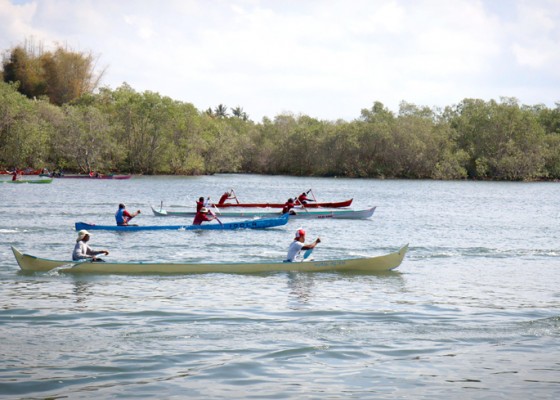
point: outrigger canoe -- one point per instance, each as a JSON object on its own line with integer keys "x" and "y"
{"x": 92, "y": 176}
{"x": 30, "y": 181}
{"x": 333, "y": 204}
{"x": 377, "y": 264}
{"x": 300, "y": 213}
{"x": 261, "y": 223}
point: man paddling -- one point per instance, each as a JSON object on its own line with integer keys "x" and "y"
{"x": 298, "y": 245}
{"x": 202, "y": 216}
{"x": 82, "y": 251}
{"x": 303, "y": 199}
{"x": 288, "y": 206}
{"x": 123, "y": 217}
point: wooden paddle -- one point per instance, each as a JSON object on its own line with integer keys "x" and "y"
{"x": 214, "y": 214}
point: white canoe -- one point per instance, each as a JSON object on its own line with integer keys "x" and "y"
{"x": 299, "y": 213}
{"x": 381, "y": 263}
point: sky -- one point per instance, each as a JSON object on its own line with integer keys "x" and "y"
{"x": 327, "y": 59}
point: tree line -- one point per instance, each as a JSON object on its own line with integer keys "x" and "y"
{"x": 122, "y": 130}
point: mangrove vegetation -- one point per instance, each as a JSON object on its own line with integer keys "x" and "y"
{"x": 53, "y": 115}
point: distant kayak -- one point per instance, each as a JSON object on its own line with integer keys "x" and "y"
{"x": 261, "y": 223}
{"x": 83, "y": 176}
{"x": 29, "y": 181}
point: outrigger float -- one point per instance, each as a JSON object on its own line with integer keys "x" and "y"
{"x": 376, "y": 264}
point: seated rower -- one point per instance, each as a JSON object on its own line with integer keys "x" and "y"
{"x": 82, "y": 251}
{"x": 123, "y": 217}
{"x": 201, "y": 203}
{"x": 298, "y": 245}
{"x": 288, "y": 206}
{"x": 303, "y": 199}
{"x": 202, "y": 216}
{"x": 225, "y": 197}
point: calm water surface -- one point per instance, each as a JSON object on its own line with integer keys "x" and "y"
{"x": 472, "y": 313}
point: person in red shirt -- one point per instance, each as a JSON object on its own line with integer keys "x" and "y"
{"x": 201, "y": 203}
{"x": 226, "y": 196}
{"x": 123, "y": 216}
{"x": 202, "y": 216}
{"x": 14, "y": 175}
{"x": 288, "y": 206}
{"x": 302, "y": 198}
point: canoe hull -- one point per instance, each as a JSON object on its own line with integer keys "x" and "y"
{"x": 334, "y": 204}
{"x": 93, "y": 177}
{"x": 262, "y": 223}
{"x": 300, "y": 214}
{"x": 30, "y": 181}
{"x": 377, "y": 264}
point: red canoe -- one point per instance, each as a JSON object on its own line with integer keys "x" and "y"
{"x": 335, "y": 204}
{"x": 94, "y": 177}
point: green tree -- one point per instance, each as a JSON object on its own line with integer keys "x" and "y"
{"x": 23, "y": 139}
{"x": 25, "y": 67}
{"x": 63, "y": 75}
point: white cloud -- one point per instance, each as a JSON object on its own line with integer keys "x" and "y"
{"x": 324, "y": 58}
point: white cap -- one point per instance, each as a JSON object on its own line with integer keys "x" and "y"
{"x": 82, "y": 234}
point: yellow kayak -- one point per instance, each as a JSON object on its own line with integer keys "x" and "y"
{"x": 381, "y": 263}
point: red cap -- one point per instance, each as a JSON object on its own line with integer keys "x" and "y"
{"x": 300, "y": 233}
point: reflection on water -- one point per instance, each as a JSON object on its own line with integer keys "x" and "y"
{"x": 300, "y": 285}
{"x": 82, "y": 290}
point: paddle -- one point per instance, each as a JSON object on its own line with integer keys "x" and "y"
{"x": 301, "y": 204}
{"x": 234, "y": 195}
{"x": 307, "y": 254}
{"x": 214, "y": 214}
{"x": 313, "y": 194}
{"x": 232, "y": 192}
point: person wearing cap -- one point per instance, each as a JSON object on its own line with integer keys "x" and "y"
{"x": 82, "y": 251}
{"x": 202, "y": 216}
{"x": 122, "y": 216}
{"x": 298, "y": 245}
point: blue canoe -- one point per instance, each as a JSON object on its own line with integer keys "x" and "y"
{"x": 261, "y": 223}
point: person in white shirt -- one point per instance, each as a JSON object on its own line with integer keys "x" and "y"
{"x": 298, "y": 245}
{"x": 82, "y": 251}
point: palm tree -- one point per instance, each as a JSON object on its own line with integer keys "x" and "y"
{"x": 239, "y": 113}
{"x": 221, "y": 111}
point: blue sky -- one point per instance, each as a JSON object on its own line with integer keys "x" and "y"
{"x": 324, "y": 58}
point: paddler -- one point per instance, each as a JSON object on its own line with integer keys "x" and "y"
{"x": 201, "y": 203}
{"x": 288, "y": 206}
{"x": 123, "y": 217}
{"x": 225, "y": 197}
{"x": 298, "y": 245}
{"x": 303, "y": 199}
{"x": 82, "y": 251}
{"x": 202, "y": 216}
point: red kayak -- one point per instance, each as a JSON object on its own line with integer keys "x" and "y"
{"x": 94, "y": 176}
{"x": 335, "y": 204}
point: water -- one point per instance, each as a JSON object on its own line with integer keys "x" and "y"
{"x": 473, "y": 311}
